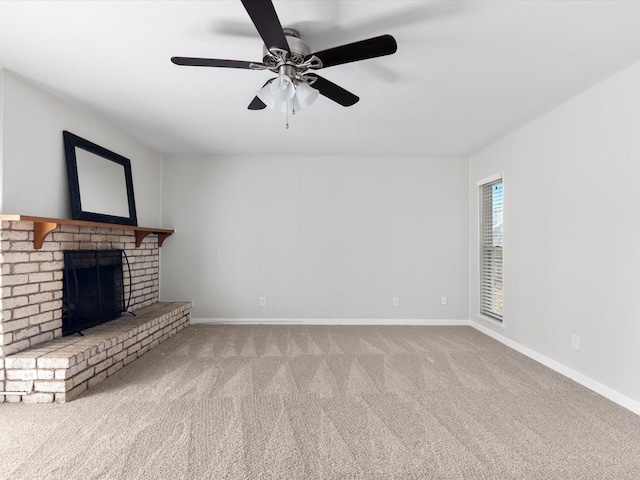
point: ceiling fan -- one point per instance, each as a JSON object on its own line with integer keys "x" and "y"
{"x": 291, "y": 58}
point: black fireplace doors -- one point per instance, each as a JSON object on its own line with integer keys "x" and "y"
{"x": 93, "y": 291}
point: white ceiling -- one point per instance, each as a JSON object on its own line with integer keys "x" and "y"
{"x": 465, "y": 73}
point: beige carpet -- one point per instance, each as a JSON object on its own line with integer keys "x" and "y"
{"x": 301, "y": 402}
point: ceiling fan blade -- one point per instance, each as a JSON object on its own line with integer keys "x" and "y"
{"x": 334, "y": 92}
{"x": 353, "y": 52}
{"x": 264, "y": 17}
{"x": 256, "y": 104}
{"x": 213, "y": 62}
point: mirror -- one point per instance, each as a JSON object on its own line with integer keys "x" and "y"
{"x": 100, "y": 183}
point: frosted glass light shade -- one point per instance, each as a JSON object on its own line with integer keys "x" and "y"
{"x": 283, "y": 88}
{"x": 267, "y": 97}
{"x": 305, "y": 95}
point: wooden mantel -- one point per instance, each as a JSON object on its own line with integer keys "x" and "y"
{"x": 43, "y": 226}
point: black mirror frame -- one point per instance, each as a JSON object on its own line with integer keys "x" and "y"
{"x": 71, "y": 142}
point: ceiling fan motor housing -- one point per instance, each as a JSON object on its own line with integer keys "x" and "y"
{"x": 299, "y": 49}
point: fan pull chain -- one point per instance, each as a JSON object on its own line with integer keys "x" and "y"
{"x": 288, "y": 115}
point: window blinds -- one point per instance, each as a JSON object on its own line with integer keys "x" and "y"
{"x": 491, "y": 243}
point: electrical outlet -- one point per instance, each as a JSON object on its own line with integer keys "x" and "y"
{"x": 575, "y": 342}
{"x": 443, "y": 300}
{"x": 263, "y": 301}
{"x": 395, "y": 301}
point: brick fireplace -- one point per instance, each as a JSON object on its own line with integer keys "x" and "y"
{"x": 31, "y": 291}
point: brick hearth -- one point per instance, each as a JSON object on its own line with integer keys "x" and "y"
{"x": 61, "y": 369}
{"x": 31, "y": 312}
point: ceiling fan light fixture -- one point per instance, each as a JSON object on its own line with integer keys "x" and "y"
{"x": 282, "y": 92}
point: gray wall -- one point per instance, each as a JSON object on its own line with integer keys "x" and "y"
{"x": 34, "y": 172}
{"x": 572, "y": 235}
{"x": 319, "y": 237}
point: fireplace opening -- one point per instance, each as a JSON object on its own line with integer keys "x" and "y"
{"x": 93, "y": 291}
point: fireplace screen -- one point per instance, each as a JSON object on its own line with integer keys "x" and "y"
{"x": 93, "y": 289}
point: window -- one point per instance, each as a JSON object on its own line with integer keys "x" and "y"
{"x": 491, "y": 243}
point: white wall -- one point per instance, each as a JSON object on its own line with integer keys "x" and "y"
{"x": 572, "y": 233}
{"x": 320, "y": 237}
{"x": 34, "y": 175}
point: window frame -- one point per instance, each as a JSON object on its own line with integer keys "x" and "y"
{"x": 487, "y": 304}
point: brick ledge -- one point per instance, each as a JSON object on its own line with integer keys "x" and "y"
{"x": 63, "y": 368}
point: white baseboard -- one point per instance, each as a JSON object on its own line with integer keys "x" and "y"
{"x": 591, "y": 384}
{"x": 332, "y": 321}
